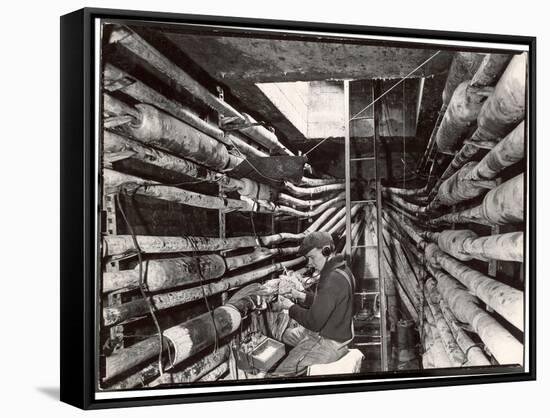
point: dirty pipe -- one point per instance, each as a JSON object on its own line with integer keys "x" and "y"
{"x": 117, "y": 147}
{"x": 339, "y": 220}
{"x": 507, "y": 152}
{"x": 150, "y": 374}
{"x": 506, "y": 106}
{"x": 467, "y": 101}
{"x": 465, "y": 154}
{"x": 259, "y": 254}
{"x": 498, "y": 116}
{"x": 490, "y": 69}
{"x": 166, "y": 273}
{"x": 474, "y": 354}
{"x": 321, "y": 219}
{"x": 137, "y": 45}
{"x": 310, "y": 182}
{"x": 466, "y": 245}
{"x": 291, "y": 200}
{"x": 501, "y": 343}
{"x": 504, "y": 299}
{"x": 460, "y": 117}
{"x": 463, "y": 67}
{"x": 459, "y": 188}
{"x": 502, "y": 205}
{"x": 185, "y": 339}
{"x": 134, "y": 43}
{"x": 161, "y": 130}
{"x": 310, "y": 191}
{"x": 117, "y": 79}
{"x": 139, "y": 307}
{"x": 264, "y": 136}
{"x": 113, "y": 181}
{"x": 435, "y": 316}
{"x": 123, "y": 244}
{"x": 272, "y": 207}
{"x": 472, "y": 179}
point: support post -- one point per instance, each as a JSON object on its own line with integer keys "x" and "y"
{"x": 381, "y": 276}
{"x": 221, "y": 220}
{"x": 347, "y": 157}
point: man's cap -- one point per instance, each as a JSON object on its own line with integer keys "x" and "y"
{"x": 317, "y": 239}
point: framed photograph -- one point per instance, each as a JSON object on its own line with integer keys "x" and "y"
{"x": 259, "y": 208}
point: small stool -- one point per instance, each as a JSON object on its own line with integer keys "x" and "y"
{"x": 350, "y": 363}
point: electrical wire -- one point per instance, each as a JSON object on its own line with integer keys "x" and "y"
{"x": 138, "y": 252}
{"x": 252, "y": 216}
{"x": 430, "y": 174}
{"x": 478, "y": 345}
{"x": 318, "y": 144}
{"x": 404, "y": 146}
{"x": 142, "y": 288}
{"x": 423, "y": 300}
{"x": 196, "y": 257}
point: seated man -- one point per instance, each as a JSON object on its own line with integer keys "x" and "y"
{"x": 326, "y": 316}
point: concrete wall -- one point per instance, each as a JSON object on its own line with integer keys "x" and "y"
{"x": 291, "y": 99}
{"x": 326, "y": 109}
{"x": 316, "y": 108}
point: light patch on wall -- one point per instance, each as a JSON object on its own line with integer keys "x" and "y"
{"x": 314, "y": 108}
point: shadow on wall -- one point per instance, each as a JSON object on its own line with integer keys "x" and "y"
{"x": 50, "y": 392}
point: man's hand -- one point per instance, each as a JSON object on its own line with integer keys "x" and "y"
{"x": 285, "y": 303}
{"x": 296, "y": 295}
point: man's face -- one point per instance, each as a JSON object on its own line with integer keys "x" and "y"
{"x": 316, "y": 259}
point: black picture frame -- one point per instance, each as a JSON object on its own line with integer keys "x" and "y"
{"x": 78, "y": 214}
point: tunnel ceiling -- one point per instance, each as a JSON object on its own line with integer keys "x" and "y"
{"x": 275, "y": 60}
{"x": 241, "y": 63}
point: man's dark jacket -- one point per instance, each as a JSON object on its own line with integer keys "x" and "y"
{"x": 330, "y": 310}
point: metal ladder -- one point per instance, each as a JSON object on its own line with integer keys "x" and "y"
{"x": 382, "y": 337}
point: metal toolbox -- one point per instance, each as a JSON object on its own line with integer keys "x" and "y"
{"x": 261, "y": 357}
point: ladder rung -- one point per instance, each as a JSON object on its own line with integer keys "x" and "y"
{"x": 366, "y": 246}
{"x": 367, "y": 293}
{"x": 362, "y": 158}
{"x": 364, "y": 201}
{"x": 371, "y": 343}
